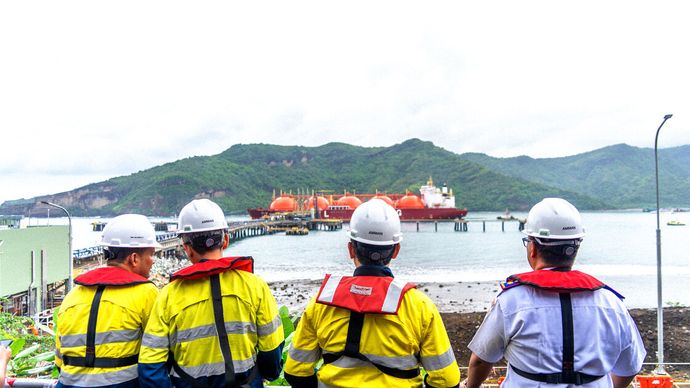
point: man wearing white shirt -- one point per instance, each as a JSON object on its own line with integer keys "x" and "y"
{"x": 556, "y": 327}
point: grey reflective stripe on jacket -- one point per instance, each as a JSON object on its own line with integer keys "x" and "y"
{"x": 108, "y": 337}
{"x": 441, "y": 361}
{"x": 217, "y": 368}
{"x": 397, "y": 362}
{"x": 206, "y": 331}
{"x": 269, "y": 328}
{"x": 155, "y": 342}
{"x": 209, "y": 330}
{"x": 99, "y": 379}
{"x": 305, "y": 356}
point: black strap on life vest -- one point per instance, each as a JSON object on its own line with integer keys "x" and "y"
{"x": 91, "y": 361}
{"x": 101, "y": 362}
{"x": 217, "y": 299}
{"x": 567, "y": 374}
{"x": 354, "y": 335}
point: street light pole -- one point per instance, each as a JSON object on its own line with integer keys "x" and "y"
{"x": 660, "y": 311}
{"x": 70, "y": 282}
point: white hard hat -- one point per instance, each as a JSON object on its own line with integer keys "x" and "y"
{"x": 375, "y": 222}
{"x": 129, "y": 231}
{"x": 554, "y": 218}
{"x": 201, "y": 215}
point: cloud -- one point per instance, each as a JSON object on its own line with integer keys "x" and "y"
{"x": 91, "y": 90}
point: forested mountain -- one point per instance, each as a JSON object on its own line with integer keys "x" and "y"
{"x": 246, "y": 175}
{"x": 619, "y": 175}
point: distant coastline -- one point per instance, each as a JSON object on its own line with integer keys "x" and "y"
{"x": 245, "y": 176}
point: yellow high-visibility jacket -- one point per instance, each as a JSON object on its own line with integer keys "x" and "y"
{"x": 413, "y": 337}
{"x": 182, "y": 322}
{"x": 123, "y": 300}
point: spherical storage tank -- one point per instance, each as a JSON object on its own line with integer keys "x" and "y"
{"x": 349, "y": 200}
{"x": 409, "y": 201}
{"x": 385, "y": 199}
{"x": 322, "y": 202}
{"x": 284, "y": 203}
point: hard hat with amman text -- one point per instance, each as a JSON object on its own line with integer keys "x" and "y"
{"x": 129, "y": 231}
{"x": 554, "y": 218}
{"x": 201, "y": 215}
{"x": 375, "y": 222}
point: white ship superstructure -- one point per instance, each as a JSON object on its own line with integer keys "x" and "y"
{"x": 434, "y": 197}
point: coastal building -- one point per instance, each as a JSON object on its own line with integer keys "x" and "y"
{"x": 34, "y": 264}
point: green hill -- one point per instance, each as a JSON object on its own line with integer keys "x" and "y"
{"x": 245, "y": 176}
{"x": 620, "y": 175}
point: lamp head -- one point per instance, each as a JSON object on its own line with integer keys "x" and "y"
{"x": 668, "y": 116}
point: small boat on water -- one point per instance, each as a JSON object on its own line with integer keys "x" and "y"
{"x": 506, "y": 216}
{"x": 675, "y": 223}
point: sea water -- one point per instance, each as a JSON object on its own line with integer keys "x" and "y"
{"x": 619, "y": 248}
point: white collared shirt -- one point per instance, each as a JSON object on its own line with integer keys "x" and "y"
{"x": 524, "y": 326}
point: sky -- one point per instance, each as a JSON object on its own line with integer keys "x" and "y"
{"x": 91, "y": 90}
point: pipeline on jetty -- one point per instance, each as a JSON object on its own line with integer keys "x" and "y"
{"x": 461, "y": 225}
{"x": 172, "y": 246}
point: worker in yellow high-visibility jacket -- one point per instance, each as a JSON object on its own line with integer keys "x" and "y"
{"x": 216, "y": 324}
{"x": 370, "y": 329}
{"x": 101, "y": 321}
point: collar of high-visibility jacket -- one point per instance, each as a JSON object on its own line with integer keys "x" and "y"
{"x": 110, "y": 276}
{"x": 373, "y": 270}
{"x": 206, "y": 268}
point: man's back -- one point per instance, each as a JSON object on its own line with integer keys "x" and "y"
{"x": 526, "y": 322}
{"x": 183, "y": 322}
{"x": 391, "y": 340}
{"x": 122, "y": 315}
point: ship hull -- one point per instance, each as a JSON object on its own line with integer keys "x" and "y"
{"x": 405, "y": 214}
{"x": 259, "y": 212}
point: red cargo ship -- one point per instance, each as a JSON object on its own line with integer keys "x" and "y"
{"x": 432, "y": 204}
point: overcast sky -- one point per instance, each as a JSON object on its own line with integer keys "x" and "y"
{"x": 90, "y": 90}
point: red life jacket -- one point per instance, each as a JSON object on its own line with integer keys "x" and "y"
{"x": 557, "y": 281}
{"x": 208, "y": 268}
{"x": 363, "y": 294}
{"x": 110, "y": 276}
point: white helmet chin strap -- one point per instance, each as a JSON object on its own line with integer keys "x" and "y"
{"x": 569, "y": 246}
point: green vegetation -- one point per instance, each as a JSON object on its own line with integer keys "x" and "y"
{"x": 621, "y": 176}
{"x": 245, "y": 176}
{"x": 289, "y": 330}
{"x": 32, "y": 355}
